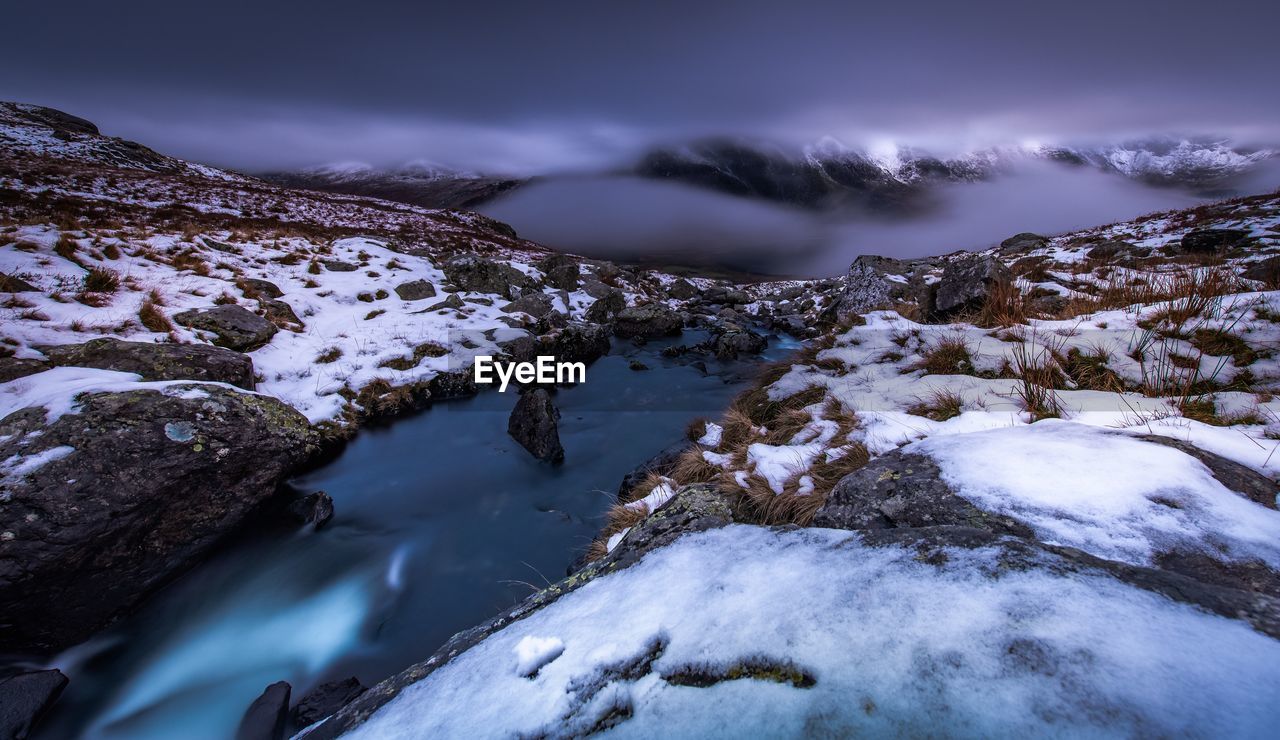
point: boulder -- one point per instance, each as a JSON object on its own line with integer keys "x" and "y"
{"x": 534, "y": 423}
{"x": 326, "y": 699}
{"x": 1109, "y": 250}
{"x": 14, "y": 284}
{"x": 534, "y": 304}
{"x": 124, "y": 493}
{"x": 235, "y": 327}
{"x": 454, "y": 301}
{"x": 415, "y": 290}
{"x": 1024, "y": 242}
{"x": 607, "y": 306}
{"x": 1213, "y": 241}
{"x": 12, "y": 368}
{"x": 682, "y": 290}
{"x": 734, "y": 342}
{"x": 871, "y": 283}
{"x": 662, "y": 464}
{"x": 1266, "y": 271}
{"x": 564, "y": 277}
{"x": 315, "y": 508}
{"x": 649, "y": 320}
{"x": 339, "y": 266}
{"x": 474, "y": 273}
{"x": 596, "y": 289}
{"x": 266, "y": 716}
{"x": 259, "y": 288}
{"x": 25, "y": 697}
{"x": 965, "y": 284}
{"x": 157, "y": 361}
{"x": 550, "y": 321}
{"x": 281, "y": 314}
{"x": 577, "y": 342}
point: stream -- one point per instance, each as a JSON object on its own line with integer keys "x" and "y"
{"x": 441, "y": 521}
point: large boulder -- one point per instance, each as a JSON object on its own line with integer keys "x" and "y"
{"x": 235, "y": 327}
{"x": 281, "y": 314}
{"x": 577, "y": 342}
{"x": 1267, "y": 271}
{"x": 733, "y": 342}
{"x": 647, "y": 321}
{"x": 15, "y": 284}
{"x": 266, "y": 717}
{"x": 111, "y": 500}
{"x": 965, "y": 284}
{"x": 1024, "y": 242}
{"x": 564, "y": 276}
{"x": 157, "y": 361}
{"x": 606, "y": 307}
{"x": 536, "y": 305}
{"x": 474, "y": 273}
{"x": 326, "y": 699}
{"x": 25, "y": 697}
{"x": 535, "y": 424}
{"x": 12, "y": 368}
{"x": 1212, "y": 241}
{"x": 682, "y": 290}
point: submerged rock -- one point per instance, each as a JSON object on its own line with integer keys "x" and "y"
{"x": 735, "y": 342}
{"x": 315, "y": 508}
{"x": 235, "y": 327}
{"x": 157, "y": 361}
{"x": 534, "y": 423}
{"x": 25, "y": 698}
{"x": 112, "y": 500}
{"x": 326, "y": 699}
{"x": 266, "y": 716}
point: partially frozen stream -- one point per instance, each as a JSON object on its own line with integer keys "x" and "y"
{"x": 442, "y": 520}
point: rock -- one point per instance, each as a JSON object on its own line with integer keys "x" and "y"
{"x": 474, "y": 273}
{"x": 452, "y": 384}
{"x": 534, "y": 423}
{"x": 595, "y": 288}
{"x": 235, "y": 327}
{"x": 218, "y": 246}
{"x": 12, "y": 368}
{"x": 521, "y": 349}
{"x": 265, "y": 718}
{"x": 1212, "y": 241}
{"x": 259, "y": 288}
{"x": 606, "y": 307}
{"x": 965, "y": 284}
{"x": 415, "y": 290}
{"x": 649, "y": 320}
{"x": 564, "y": 277}
{"x": 682, "y": 290}
{"x": 281, "y": 314}
{"x": 550, "y": 321}
{"x": 140, "y": 486}
{"x": 871, "y": 283}
{"x": 1024, "y": 242}
{"x": 577, "y": 342}
{"x": 1267, "y": 271}
{"x": 339, "y": 266}
{"x": 326, "y": 699}
{"x": 1109, "y": 250}
{"x": 637, "y": 365}
{"x": 735, "y": 297}
{"x": 453, "y": 301}
{"x": 730, "y": 344}
{"x": 157, "y": 361}
{"x": 315, "y": 508}
{"x": 13, "y": 284}
{"x": 534, "y": 304}
{"x": 555, "y": 262}
{"x": 25, "y": 698}
{"x": 662, "y": 464}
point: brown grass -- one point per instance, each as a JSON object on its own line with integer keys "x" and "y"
{"x": 153, "y": 318}
{"x": 941, "y": 404}
{"x": 1005, "y": 306}
{"x": 948, "y": 355}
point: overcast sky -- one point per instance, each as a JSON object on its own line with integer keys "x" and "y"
{"x": 530, "y": 86}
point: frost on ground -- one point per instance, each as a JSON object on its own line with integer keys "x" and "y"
{"x": 812, "y": 633}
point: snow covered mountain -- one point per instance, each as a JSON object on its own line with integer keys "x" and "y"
{"x": 416, "y": 183}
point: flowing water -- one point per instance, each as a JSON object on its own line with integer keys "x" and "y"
{"x": 442, "y": 520}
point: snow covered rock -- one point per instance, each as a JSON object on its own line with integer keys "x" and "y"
{"x": 104, "y": 496}
{"x": 25, "y": 697}
{"x": 647, "y": 321}
{"x": 577, "y": 341}
{"x": 610, "y": 302}
{"x": 534, "y": 423}
{"x": 536, "y": 305}
{"x": 157, "y": 361}
{"x": 947, "y": 631}
{"x": 234, "y": 327}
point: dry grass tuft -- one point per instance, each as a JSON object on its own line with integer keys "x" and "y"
{"x": 941, "y": 404}
{"x": 948, "y": 355}
{"x": 152, "y": 318}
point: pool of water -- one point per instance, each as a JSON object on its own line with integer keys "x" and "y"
{"x": 441, "y": 521}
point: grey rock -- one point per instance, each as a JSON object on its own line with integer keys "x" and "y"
{"x": 1212, "y": 241}
{"x": 682, "y": 290}
{"x": 149, "y": 483}
{"x": 606, "y": 306}
{"x": 577, "y": 342}
{"x": 12, "y": 368}
{"x": 415, "y": 290}
{"x": 475, "y": 273}
{"x": 25, "y": 698}
{"x": 1111, "y": 249}
{"x": 339, "y": 266}
{"x": 281, "y": 314}
{"x": 965, "y": 284}
{"x": 649, "y": 320}
{"x": 1023, "y": 242}
{"x": 550, "y": 321}
{"x": 263, "y": 288}
{"x": 534, "y": 423}
{"x": 564, "y": 277}
{"x": 315, "y": 508}
{"x": 521, "y": 349}
{"x": 266, "y": 716}
{"x": 326, "y": 699}
{"x": 597, "y": 289}
{"x": 14, "y": 284}
{"x": 868, "y": 286}
{"x": 661, "y": 464}
{"x": 157, "y": 361}
{"x": 735, "y": 342}
{"x": 534, "y": 304}
{"x": 453, "y": 301}
{"x": 235, "y": 327}
{"x": 1267, "y": 271}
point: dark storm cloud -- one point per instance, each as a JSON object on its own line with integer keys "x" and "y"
{"x": 527, "y": 85}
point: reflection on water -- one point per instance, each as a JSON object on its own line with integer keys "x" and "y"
{"x": 441, "y": 521}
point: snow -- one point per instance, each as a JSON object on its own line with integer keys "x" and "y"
{"x": 657, "y": 496}
{"x": 532, "y": 653}
{"x": 1104, "y": 492}
{"x": 894, "y": 646}
{"x": 712, "y": 436}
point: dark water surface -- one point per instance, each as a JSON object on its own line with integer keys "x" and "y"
{"x": 442, "y": 520}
